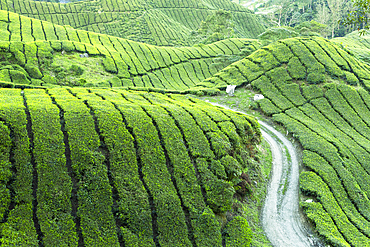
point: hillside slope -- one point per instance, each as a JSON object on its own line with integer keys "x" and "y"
{"x": 38, "y": 53}
{"x": 116, "y": 168}
{"x": 157, "y": 22}
{"x": 292, "y": 62}
{"x": 358, "y": 45}
{"x": 320, "y": 94}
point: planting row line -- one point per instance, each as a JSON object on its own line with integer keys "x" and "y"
{"x": 18, "y": 227}
{"x": 301, "y": 59}
{"x": 335, "y": 206}
{"x": 210, "y": 172}
{"x": 88, "y": 158}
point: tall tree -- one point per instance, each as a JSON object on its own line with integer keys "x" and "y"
{"x": 336, "y": 13}
{"x": 359, "y": 16}
{"x": 323, "y": 16}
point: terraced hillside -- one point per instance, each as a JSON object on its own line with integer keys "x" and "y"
{"x": 330, "y": 118}
{"x": 358, "y": 45}
{"x": 39, "y": 53}
{"x": 95, "y": 167}
{"x": 310, "y": 60}
{"x": 157, "y": 22}
{"x": 114, "y": 167}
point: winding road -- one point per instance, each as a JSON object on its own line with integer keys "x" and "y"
{"x": 281, "y": 219}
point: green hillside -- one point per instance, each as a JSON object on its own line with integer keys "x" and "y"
{"x": 320, "y": 94}
{"x": 290, "y": 63}
{"x": 112, "y": 167}
{"x": 157, "y": 22}
{"x": 95, "y": 167}
{"x": 98, "y": 147}
{"x": 38, "y": 53}
{"x": 356, "y": 45}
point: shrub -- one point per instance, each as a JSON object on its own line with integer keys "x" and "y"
{"x": 33, "y": 71}
{"x": 18, "y": 77}
{"x": 208, "y": 229}
{"x": 238, "y": 233}
{"x": 315, "y": 78}
{"x": 296, "y": 69}
{"x": 4, "y": 75}
{"x": 76, "y": 70}
{"x": 49, "y": 79}
{"x": 351, "y": 78}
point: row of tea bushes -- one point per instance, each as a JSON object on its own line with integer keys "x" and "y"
{"x": 92, "y": 167}
{"x": 148, "y": 21}
{"x": 28, "y": 42}
{"x": 336, "y": 153}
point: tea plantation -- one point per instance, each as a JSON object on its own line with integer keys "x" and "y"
{"x": 95, "y": 167}
{"x": 157, "y": 22}
{"x": 40, "y": 47}
{"x": 100, "y": 146}
{"x": 319, "y": 93}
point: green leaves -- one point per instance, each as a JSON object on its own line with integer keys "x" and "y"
{"x": 238, "y": 233}
{"x": 140, "y": 167}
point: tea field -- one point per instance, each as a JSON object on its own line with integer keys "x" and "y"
{"x": 157, "y": 22}
{"x": 103, "y": 142}
{"x": 319, "y": 93}
{"x": 41, "y": 48}
{"x": 93, "y": 167}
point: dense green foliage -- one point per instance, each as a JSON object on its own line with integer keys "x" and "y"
{"x": 311, "y": 60}
{"x": 45, "y": 59}
{"x": 86, "y": 166}
{"x": 329, "y": 118}
{"x": 359, "y": 16}
{"x": 356, "y": 45}
{"x": 157, "y": 22}
{"x": 333, "y": 128}
{"x": 331, "y": 14}
{"x": 149, "y": 180}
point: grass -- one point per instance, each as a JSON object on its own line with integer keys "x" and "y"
{"x": 242, "y": 100}
{"x": 72, "y": 70}
{"x": 252, "y": 207}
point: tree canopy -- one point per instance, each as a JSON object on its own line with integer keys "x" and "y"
{"x": 359, "y": 16}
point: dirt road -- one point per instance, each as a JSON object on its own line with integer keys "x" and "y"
{"x": 280, "y": 217}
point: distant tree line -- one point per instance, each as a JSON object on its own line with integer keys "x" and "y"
{"x": 331, "y": 13}
{"x": 359, "y": 16}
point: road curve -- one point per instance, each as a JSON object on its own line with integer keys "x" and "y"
{"x": 280, "y": 216}
{"x": 281, "y": 219}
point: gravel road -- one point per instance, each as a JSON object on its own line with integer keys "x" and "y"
{"x": 281, "y": 219}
